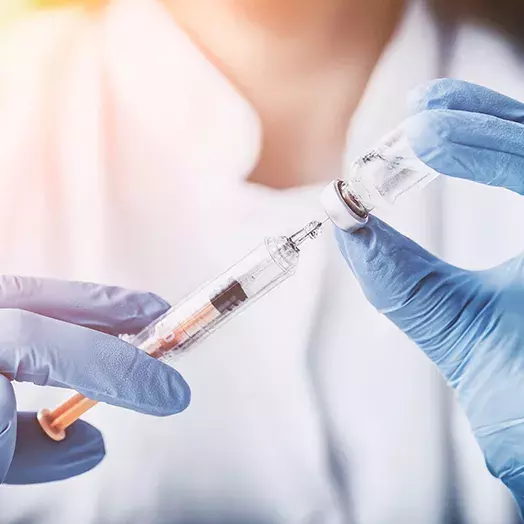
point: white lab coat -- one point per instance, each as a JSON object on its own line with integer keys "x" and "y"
{"x": 123, "y": 158}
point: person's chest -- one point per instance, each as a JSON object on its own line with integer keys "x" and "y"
{"x": 302, "y": 69}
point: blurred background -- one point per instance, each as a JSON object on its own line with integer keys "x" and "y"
{"x": 151, "y": 143}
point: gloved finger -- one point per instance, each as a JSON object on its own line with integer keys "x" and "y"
{"x": 420, "y": 293}
{"x": 39, "y": 459}
{"x": 458, "y": 95}
{"x": 105, "y": 308}
{"x": 45, "y": 351}
{"x": 7, "y": 426}
{"x": 470, "y": 146}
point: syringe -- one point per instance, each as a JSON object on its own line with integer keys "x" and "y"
{"x": 197, "y": 316}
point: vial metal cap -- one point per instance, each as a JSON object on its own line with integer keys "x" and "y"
{"x": 342, "y": 207}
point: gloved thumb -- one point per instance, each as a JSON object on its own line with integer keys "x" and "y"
{"x": 420, "y": 293}
{"x": 28, "y": 456}
{"x": 7, "y": 426}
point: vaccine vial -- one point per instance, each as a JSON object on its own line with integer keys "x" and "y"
{"x": 377, "y": 179}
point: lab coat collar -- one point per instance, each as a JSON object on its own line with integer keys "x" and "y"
{"x": 212, "y": 128}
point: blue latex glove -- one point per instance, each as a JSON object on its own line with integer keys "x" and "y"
{"x": 60, "y": 334}
{"x": 470, "y": 323}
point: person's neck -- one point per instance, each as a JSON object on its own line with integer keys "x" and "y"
{"x": 303, "y": 64}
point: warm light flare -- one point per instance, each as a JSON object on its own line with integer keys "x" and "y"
{"x": 69, "y": 3}
{"x": 12, "y": 9}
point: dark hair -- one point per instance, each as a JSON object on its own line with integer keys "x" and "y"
{"x": 507, "y": 16}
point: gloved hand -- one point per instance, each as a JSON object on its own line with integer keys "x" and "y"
{"x": 56, "y": 333}
{"x": 470, "y": 323}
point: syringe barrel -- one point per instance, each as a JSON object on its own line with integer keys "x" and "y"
{"x": 201, "y": 313}
{"x": 195, "y": 317}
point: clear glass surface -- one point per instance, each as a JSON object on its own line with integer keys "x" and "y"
{"x": 388, "y": 172}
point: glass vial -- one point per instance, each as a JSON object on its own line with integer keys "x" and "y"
{"x": 379, "y": 178}
{"x": 388, "y": 172}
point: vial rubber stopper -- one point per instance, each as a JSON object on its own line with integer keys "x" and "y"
{"x": 342, "y": 207}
